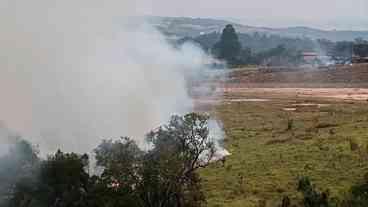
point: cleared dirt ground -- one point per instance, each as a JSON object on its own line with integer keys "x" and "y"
{"x": 344, "y": 83}
{"x": 355, "y": 76}
{"x": 344, "y": 94}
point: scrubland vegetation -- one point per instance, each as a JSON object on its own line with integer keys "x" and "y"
{"x": 273, "y": 149}
{"x": 315, "y": 155}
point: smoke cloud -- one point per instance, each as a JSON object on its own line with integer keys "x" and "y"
{"x": 74, "y": 72}
{"x": 7, "y": 139}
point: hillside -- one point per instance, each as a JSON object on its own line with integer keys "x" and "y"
{"x": 180, "y": 27}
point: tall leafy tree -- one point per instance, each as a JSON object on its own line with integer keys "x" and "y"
{"x": 164, "y": 176}
{"x": 229, "y": 46}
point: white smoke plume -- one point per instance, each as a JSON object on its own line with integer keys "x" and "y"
{"x": 72, "y": 73}
{"x": 7, "y": 139}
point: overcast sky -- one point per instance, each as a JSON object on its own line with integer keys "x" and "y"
{"x": 342, "y": 14}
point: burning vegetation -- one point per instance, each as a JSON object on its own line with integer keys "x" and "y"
{"x": 294, "y": 110}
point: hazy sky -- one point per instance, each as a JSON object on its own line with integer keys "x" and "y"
{"x": 343, "y": 14}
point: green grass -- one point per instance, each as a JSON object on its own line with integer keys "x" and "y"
{"x": 267, "y": 157}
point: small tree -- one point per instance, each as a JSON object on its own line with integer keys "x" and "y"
{"x": 312, "y": 197}
{"x": 358, "y": 195}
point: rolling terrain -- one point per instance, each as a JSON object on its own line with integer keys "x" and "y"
{"x": 179, "y": 27}
{"x": 277, "y": 134}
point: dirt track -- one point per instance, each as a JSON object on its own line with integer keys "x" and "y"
{"x": 354, "y": 94}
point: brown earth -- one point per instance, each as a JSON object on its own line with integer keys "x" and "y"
{"x": 355, "y": 76}
{"x": 348, "y": 83}
{"x": 338, "y": 83}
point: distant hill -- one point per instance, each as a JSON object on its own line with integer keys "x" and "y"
{"x": 179, "y": 27}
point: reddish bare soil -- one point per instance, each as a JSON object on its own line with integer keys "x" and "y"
{"x": 354, "y": 94}
{"x": 355, "y": 76}
{"x": 340, "y": 83}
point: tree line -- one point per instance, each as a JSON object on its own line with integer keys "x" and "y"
{"x": 166, "y": 175}
{"x": 273, "y": 50}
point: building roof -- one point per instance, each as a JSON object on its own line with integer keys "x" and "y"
{"x": 310, "y": 54}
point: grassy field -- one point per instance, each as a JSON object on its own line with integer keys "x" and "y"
{"x": 271, "y": 148}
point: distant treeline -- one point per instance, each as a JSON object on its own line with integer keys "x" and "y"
{"x": 257, "y": 42}
{"x": 275, "y": 50}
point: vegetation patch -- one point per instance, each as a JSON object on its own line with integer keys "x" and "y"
{"x": 270, "y": 153}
